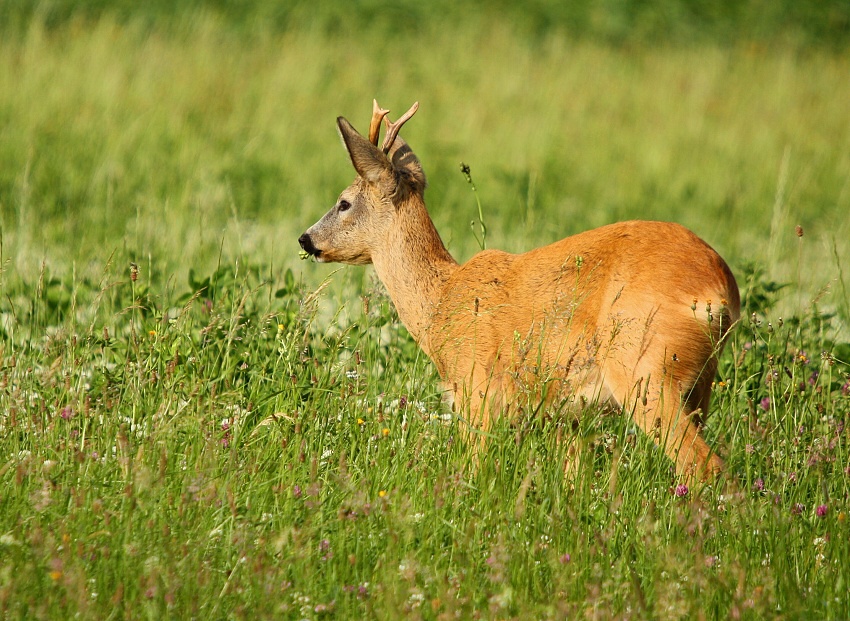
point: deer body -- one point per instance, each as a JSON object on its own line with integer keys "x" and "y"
{"x": 632, "y": 314}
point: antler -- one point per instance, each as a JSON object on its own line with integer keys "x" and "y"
{"x": 378, "y": 114}
{"x": 393, "y": 128}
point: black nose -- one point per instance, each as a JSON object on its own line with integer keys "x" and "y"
{"x": 307, "y": 244}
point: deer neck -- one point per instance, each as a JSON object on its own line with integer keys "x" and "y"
{"x": 413, "y": 266}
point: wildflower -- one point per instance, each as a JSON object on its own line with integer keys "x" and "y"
{"x": 813, "y": 378}
{"x": 798, "y": 508}
{"x": 764, "y": 404}
{"x": 710, "y": 561}
{"x": 681, "y": 490}
{"x": 67, "y": 412}
{"x": 55, "y": 575}
{"x": 750, "y": 449}
{"x": 325, "y": 550}
{"x": 565, "y": 558}
{"x": 323, "y": 608}
{"x": 845, "y": 389}
{"x": 296, "y": 491}
{"x": 821, "y": 511}
{"x": 360, "y": 421}
{"x": 151, "y": 333}
{"x": 382, "y": 493}
{"x": 802, "y": 357}
{"x": 792, "y": 477}
{"x": 385, "y": 431}
{"x": 759, "y": 485}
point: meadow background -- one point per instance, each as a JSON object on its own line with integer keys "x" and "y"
{"x": 196, "y": 424}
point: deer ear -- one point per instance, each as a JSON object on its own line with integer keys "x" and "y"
{"x": 405, "y": 161}
{"x": 369, "y": 161}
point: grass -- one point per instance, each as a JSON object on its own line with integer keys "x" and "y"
{"x": 223, "y": 431}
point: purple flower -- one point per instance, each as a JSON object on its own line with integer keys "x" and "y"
{"x": 764, "y": 404}
{"x": 565, "y": 558}
{"x": 822, "y": 510}
{"x": 813, "y": 378}
{"x": 681, "y": 490}
{"x": 759, "y": 485}
{"x": 66, "y": 412}
{"x": 798, "y": 508}
{"x": 324, "y": 545}
{"x": 296, "y": 491}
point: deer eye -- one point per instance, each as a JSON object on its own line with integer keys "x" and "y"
{"x": 343, "y": 206}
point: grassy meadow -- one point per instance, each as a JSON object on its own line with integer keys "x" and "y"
{"x": 196, "y": 424}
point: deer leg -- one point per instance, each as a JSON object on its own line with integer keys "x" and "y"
{"x": 671, "y": 416}
{"x": 666, "y": 413}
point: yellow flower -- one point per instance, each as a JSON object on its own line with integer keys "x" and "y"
{"x": 360, "y": 421}
{"x": 386, "y": 432}
{"x": 382, "y": 493}
{"x": 151, "y": 332}
{"x": 55, "y": 575}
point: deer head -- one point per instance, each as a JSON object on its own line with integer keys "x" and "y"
{"x": 367, "y": 212}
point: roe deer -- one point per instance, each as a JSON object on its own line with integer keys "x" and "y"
{"x": 632, "y": 314}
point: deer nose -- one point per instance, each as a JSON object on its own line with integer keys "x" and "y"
{"x": 307, "y": 244}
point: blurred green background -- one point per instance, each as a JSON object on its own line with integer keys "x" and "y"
{"x": 176, "y": 134}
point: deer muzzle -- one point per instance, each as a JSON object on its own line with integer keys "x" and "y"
{"x": 307, "y": 245}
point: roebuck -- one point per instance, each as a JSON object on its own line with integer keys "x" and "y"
{"x": 632, "y": 314}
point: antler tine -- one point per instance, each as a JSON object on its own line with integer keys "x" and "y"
{"x": 378, "y": 114}
{"x": 393, "y": 128}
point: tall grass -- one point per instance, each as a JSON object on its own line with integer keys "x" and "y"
{"x": 220, "y": 431}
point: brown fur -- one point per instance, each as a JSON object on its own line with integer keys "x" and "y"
{"x": 603, "y": 316}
